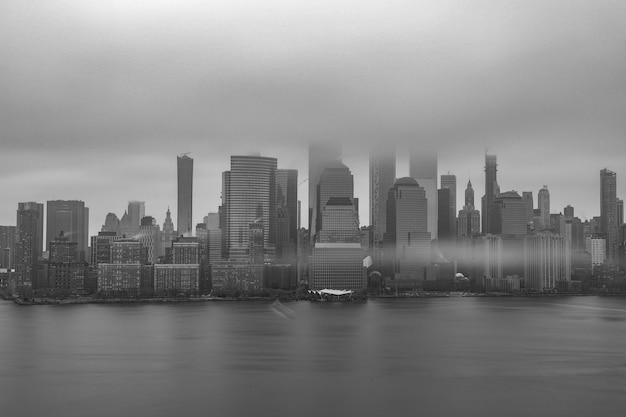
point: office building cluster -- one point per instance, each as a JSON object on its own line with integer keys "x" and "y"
{"x": 253, "y": 242}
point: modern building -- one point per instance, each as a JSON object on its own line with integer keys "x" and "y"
{"x": 596, "y": 246}
{"x": 338, "y": 266}
{"x": 508, "y": 215}
{"x": 341, "y": 222}
{"x": 547, "y": 260}
{"x": 185, "y": 195}
{"x": 321, "y": 155}
{"x": 336, "y": 181}
{"x": 527, "y": 196}
{"x": 608, "y": 214}
{"x": 7, "y": 246}
{"x": 492, "y": 190}
{"x": 423, "y": 167}
{"x": 408, "y": 247}
{"x": 28, "y": 244}
{"x": 249, "y": 196}
{"x": 111, "y": 224}
{"x": 543, "y": 200}
{"x": 382, "y": 178}
{"x": 101, "y": 247}
{"x": 150, "y": 238}
{"x": 66, "y": 274}
{"x": 72, "y": 218}
{"x": 448, "y": 181}
{"x": 136, "y": 212}
{"x": 286, "y": 213}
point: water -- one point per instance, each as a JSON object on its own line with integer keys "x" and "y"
{"x": 456, "y": 356}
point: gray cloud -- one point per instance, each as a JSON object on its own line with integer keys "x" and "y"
{"x": 105, "y": 94}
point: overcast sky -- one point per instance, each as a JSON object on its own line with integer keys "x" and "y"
{"x": 98, "y": 97}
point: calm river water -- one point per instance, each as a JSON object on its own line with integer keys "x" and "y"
{"x": 432, "y": 357}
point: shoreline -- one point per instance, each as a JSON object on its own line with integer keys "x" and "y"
{"x": 169, "y": 300}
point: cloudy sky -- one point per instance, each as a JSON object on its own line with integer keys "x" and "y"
{"x": 98, "y": 97}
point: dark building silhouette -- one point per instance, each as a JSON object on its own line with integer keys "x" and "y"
{"x": 72, "y": 218}
{"x": 608, "y": 213}
{"x": 28, "y": 243}
{"x": 185, "y": 195}
{"x": 492, "y": 190}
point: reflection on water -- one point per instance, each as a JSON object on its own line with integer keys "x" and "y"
{"x": 457, "y": 356}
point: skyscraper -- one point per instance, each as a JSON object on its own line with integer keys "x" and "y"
{"x": 287, "y": 202}
{"x": 335, "y": 181}
{"x": 423, "y": 167}
{"x": 130, "y": 222}
{"x": 508, "y": 215}
{"x": 72, "y": 218}
{"x": 249, "y": 196}
{"x": 320, "y": 156}
{"x": 28, "y": 243}
{"x": 185, "y": 195}
{"x": 527, "y": 196}
{"x": 448, "y": 181}
{"x": 7, "y": 246}
{"x": 492, "y": 189}
{"x": 608, "y": 213}
{"x": 382, "y": 178}
{"x": 408, "y": 245}
{"x": 469, "y": 217}
{"x": 543, "y": 200}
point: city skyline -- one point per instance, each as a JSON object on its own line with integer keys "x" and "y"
{"x": 92, "y": 118}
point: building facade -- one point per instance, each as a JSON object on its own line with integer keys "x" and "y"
{"x": 184, "y": 165}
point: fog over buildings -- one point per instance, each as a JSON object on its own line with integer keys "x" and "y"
{"x": 97, "y": 97}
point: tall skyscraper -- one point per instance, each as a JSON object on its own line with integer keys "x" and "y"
{"x": 320, "y": 156}
{"x": 335, "y": 181}
{"x": 527, "y": 196}
{"x": 72, "y": 218}
{"x": 407, "y": 242}
{"x": 543, "y": 200}
{"x": 7, "y": 246}
{"x": 547, "y": 260}
{"x": 423, "y": 167}
{"x": 168, "y": 235}
{"x": 130, "y": 222}
{"x": 508, "y": 215}
{"x": 492, "y": 190}
{"x": 469, "y": 217}
{"x": 382, "y": 178}
{"x": 287, "y": 202}
{"x": 620, "y": 212}
{"x": 28, "y": 243}
{"x": 338, "y": 255}
{"x": 608, "y": 213}
{"x": 249, "y": 197}
{"x": 185, "y": 195}
{"x": 448, "y": 181}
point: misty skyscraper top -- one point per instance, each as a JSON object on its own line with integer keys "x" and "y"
{"x": 185, "y": 195}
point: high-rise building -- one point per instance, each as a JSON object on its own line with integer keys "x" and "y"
{"x": 7, "y": 246}
{"x": 608, "y": 213}
{"x": 286, "y": 213}
{"x": 547, "y": 260}
{"x": 382, "y": 178}
{"x": 620, "y": 212}
{"x": 508, "y": 215}
{"x": 28, "y": 243}
{"x": 408, "y": 243}
{"x": 340, "y": 222}
{"x": 185, "y": 195}
{"x": 527, "y": 197}
{"x": 249, "y": 196}
{"x": 66, "y": 274}
{"x": 444, "y": 226}
{"x": 150, "y": 238}
{"x": 131, "y": 220}
{"x": 336, "y": 181}
{"x": 168, "y": 235}
{"x": 468, "y": 218}
{"x": 448, "y": 181}
{"x": 111, "y": 223}
{"x": 423, "y": 167}
{"x": 492, "y": 190}
{"x": 72, "y": 218}
{"x": 596, "y": 246}
{"x": 321, "y": 154}
{"x": 127, "y": 273}
{"x": 543, "y": 200}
